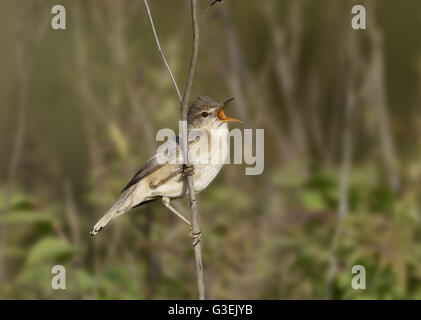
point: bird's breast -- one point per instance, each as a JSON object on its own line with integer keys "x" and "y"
{"x": 209, "y": 157}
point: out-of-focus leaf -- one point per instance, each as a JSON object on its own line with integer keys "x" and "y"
{"x": 324, "y": 181}
{"x": 118, "y": 283}
{"x": 24, "y": 216}
{"x": 39, "y": 276}
{"x": 82, "y": 281}
{"x": 382, "y": 199}
{"x": 311, "y": 200}
{"x": 18, "y": 201}
{"x": 49, "y": 248}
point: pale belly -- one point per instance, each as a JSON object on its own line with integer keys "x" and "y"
{"x": 203, "y": 173}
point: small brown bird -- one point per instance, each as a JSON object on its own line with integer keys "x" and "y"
{"x": 157, "y": 179}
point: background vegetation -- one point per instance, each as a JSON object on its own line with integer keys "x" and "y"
{"x": 340, "y": 108}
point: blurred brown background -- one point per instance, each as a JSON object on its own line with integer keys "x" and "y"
{"x": 79, "y": 110}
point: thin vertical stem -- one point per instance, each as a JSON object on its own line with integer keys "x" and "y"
{"x": 192, "y": 194}
{"x": 183, "y": 137}
{"x": 160, "y": 50}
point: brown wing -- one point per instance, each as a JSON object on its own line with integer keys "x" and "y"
{"x": 152, "y": 164}
{"x": 149, "y": 167}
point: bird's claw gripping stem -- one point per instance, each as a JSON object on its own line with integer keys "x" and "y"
{"x": 196, "y": 236}
{"x": 188, "y": 170}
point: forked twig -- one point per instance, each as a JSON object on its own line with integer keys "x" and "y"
{"x": 192, "y": 195}
{"x": 160, "y": 50}
{"x": 183, "y": 135}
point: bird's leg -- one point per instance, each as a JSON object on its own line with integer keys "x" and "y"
{"x": 188, "y": 170}
{"x": 167, "y": 202}
{"x": 196, "y": 236}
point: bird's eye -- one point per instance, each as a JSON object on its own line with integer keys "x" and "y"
{"x": 205, "y": 114}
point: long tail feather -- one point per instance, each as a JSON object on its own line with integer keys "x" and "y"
{"x": 121, "y": 206}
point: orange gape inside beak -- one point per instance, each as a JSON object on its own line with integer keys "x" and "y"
{"x": 221, "y": 116}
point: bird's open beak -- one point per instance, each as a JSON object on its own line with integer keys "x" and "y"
{"x": 221, "y": 115}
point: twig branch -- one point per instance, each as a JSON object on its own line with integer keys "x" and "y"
{"x": 160, "y": 50}
{"x": 183, "y": 138}
{"x": 183, "y": 117}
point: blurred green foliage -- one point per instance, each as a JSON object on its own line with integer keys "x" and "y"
{"x": 98, "y": 92}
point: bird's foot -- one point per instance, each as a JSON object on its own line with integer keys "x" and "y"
{"x": 188, "y": 170}
{"x": 196, "y": 236}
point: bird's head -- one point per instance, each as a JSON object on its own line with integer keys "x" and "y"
{"x": 206, "y": 113}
